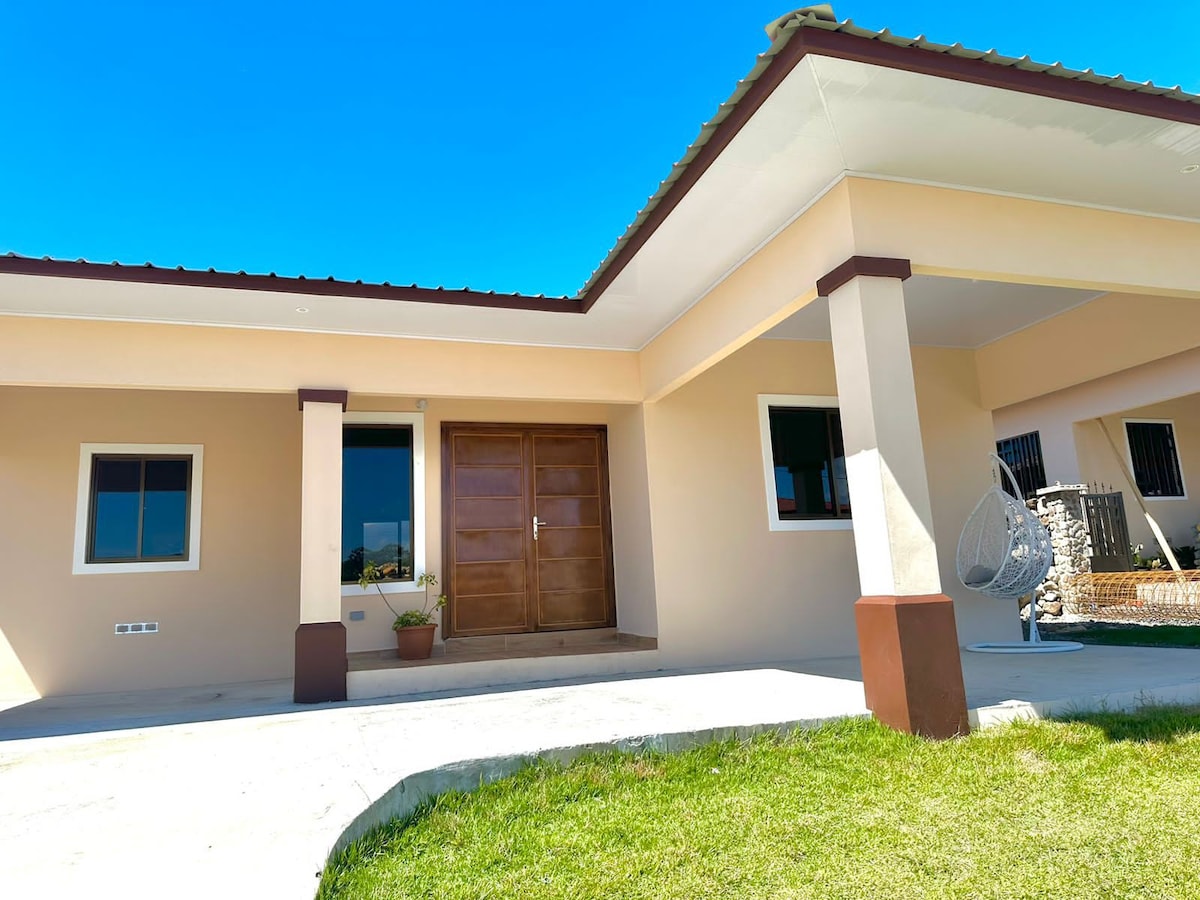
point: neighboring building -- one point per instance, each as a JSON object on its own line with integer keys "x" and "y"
{"x": 774, "y": 396}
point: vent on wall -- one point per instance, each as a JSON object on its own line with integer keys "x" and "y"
{"x": 136, "y": 628}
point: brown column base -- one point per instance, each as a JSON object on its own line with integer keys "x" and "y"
{"x": 320, "y": 663}
{"x": 912, "y": 671}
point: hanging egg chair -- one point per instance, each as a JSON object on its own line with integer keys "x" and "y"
{"x": 1004, "y": 552}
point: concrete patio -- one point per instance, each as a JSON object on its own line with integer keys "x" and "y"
{"x": 235, "y": 790}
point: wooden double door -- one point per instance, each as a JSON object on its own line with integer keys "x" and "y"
{"x": 528, "y": 534}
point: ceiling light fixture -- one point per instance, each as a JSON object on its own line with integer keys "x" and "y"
{"x": 301, "y": 309}
{"x": 1188, "y": 170}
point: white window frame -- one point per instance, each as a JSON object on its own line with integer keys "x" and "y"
{"x": 83, "y": 499}
{"x": 416, "y": 421}
{"x": 765, "y": 402}
{"x": 1178, "y": 457}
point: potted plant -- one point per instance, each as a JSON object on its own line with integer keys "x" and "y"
{"x": 414, "y": 627}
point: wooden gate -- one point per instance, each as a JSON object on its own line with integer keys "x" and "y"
{"x": 1109, "y": 532}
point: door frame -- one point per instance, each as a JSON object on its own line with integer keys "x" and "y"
{"x": 448, "y": 431}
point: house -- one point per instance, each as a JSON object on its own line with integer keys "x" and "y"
{"x": 754, "y": 435}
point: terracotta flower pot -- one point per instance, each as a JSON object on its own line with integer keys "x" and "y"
{"x": 414, "y": 641}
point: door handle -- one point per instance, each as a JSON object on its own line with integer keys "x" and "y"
{"x": 537, "y": 522}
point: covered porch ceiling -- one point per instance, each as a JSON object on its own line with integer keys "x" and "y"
{"x": 952, "y": 312}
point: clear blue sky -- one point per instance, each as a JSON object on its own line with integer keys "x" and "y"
{"x": 500, "y": 145}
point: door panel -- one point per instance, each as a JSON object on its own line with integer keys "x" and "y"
{"x": 574, "y": 481}
{"x": 493, "y": 617}
{"x": 564, "y": 511}
{"x": 488, "y": 481}
{"x": 500, "y": 576}
{"x": 488, "y": 559}
{"x": 570, "y": 574}
{"x": 570, "y": 543}
{"x": 489, "y": 546}
{"x": 575, "y": 609}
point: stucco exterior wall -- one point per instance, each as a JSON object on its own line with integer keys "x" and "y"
{"x": 233, "y": 620}
{"x": 731, "y": 590}
{"x": 1177, "y": 517}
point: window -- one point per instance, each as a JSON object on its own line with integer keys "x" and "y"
{"x": 1023, "y": 454}
{"x": 138, "y": 508}
{"x": 382, "y": 499}
{"x": 1154, "y": 458}
{"x": 804, "y": 463}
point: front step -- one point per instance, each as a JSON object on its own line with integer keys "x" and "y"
{"x": 467, "y": 667}
{"x": 534, "y": 640}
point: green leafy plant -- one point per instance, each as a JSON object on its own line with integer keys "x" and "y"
{"x": 373, "y": 575}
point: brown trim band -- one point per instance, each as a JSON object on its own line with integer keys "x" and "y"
{"x": 320, "y": 669}
{"x": 240, "y": 281}
{"x": 850, "y": 47}
{"x": 320, "y": 395}
{"x": 877, "y": 266}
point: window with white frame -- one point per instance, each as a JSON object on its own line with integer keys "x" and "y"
{"x": 138, "y": 508}
{"x": 804, "y": 463}
{"x": 1154, "y": 458}
{"x": 383, "y": 499}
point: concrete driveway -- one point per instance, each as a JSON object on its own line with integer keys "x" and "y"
{"x": 235, "y": 791}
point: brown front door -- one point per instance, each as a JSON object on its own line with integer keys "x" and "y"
{"x": 504, "y": 573}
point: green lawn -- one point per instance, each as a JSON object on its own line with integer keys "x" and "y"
{"x": 1106, "y": 806}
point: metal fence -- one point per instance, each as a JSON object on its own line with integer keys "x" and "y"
{"x": 1157, "y": 596}
{"x": 1109, "y": 532}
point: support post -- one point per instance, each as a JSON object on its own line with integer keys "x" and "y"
{"x": 908, "y": 642}
{"x": 320, "y": 668}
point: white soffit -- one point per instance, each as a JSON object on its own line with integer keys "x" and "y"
{"x": 916, "y": 127}
{"x": 951, "y": 312}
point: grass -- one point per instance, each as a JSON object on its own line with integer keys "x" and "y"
{"x": 1122, "y": 635}
{"x": 1103, "y": 806}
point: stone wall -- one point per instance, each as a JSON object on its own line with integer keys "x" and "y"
{"x": 1061, "y": 510}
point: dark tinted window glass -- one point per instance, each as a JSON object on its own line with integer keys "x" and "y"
{"x": 1155, "y": 459}
{"x": 377, "y": 501}
{"x": 810, "y": 463}
{"x": 116, "y": 502}
{"x": 165, "y": 508}
{"x": 139, "y": 508}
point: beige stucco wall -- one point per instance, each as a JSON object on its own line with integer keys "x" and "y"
{"x": 1176, "y": 517}
{"x": 233, "y": 620}
{"x": 731, "y": 590}
{"x": 66, "y": 352}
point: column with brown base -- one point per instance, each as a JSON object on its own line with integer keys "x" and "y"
{"x": 320, "y": 673}
{"x": 912, "y": 672}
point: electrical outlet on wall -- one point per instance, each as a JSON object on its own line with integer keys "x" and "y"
{"x": 136, "y": 628}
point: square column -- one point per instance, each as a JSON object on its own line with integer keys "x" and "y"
{"x": 320, "y": 673}
{"x": 908, "y": 643}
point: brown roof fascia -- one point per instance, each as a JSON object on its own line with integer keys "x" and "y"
{"x": 876, "y": 266}
{"x": 839, "y": 45}
{"x": 989, "y": 74}
{"x": 23, "y": 265}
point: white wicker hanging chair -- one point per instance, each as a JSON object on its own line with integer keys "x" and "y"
{"x": 1004, "y": 552}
